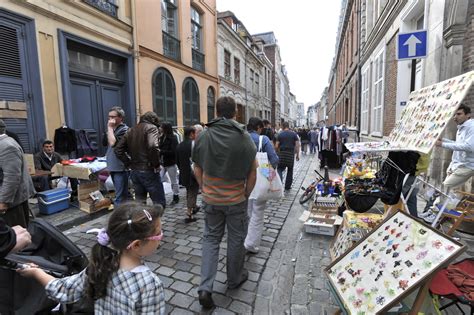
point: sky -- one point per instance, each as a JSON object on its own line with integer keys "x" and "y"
{"x": 306, "y": 32}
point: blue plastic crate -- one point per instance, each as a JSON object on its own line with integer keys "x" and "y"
{"x": 54, "y": 200}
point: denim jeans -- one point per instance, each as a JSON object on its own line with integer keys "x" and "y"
{"x": 289, "y": 175}
{"x": 148, "y": 182}
{"x": 412, "y": 200}
{"x": 120, "y": 180}
{"x": 215, "y": 220}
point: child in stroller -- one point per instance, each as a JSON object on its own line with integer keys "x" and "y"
{"x": 115, "y": 279}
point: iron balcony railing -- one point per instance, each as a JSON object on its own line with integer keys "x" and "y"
{"x": 198, "y": 60}
{"x": 171, "y": 47}
{"x": 105, "y": 6}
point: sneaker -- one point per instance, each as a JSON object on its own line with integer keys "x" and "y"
{"x": 425, "y": 214}
{"x": 429, "y": 218}
{"x": 252, "y": 250}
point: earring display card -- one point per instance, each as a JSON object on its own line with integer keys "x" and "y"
{"x": 389, "y": 263}
{"x": 424, "y": 118}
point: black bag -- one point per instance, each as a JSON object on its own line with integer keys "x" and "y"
{"x": 52, "y": 251}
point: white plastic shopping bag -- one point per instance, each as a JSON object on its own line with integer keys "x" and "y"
{"x": 268, "y": 185}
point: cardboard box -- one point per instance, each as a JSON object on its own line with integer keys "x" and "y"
{"x": 320, "y": 226}
{"x": 71, "y": 171}
{"x": 30, "y": 163}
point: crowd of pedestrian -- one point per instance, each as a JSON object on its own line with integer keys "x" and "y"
{"x": 218, "y": 159}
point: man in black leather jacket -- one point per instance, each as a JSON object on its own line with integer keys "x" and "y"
{"x": 139, "y": 151}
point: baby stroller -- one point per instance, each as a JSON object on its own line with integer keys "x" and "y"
{"x": 53, "y": 252}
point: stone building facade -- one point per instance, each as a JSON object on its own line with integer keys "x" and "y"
{"x": 243, "y": 68}
{"x": 177, "y": 68}
{"x": 344, "y": 103}
{"x": 65, "y": 63}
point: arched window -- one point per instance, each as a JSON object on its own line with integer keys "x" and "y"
{"x": 211, "y": 103}
{"x": 190, "y": 102}
{"x": 164, "y": 96}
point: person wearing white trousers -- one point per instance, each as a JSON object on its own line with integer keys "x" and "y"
{"x": 255, "y": 210}
{"x": 256, "y": 207}
{"x": 173, "y": 175}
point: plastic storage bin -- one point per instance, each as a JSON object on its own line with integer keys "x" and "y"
{"x": 54, "y": 200}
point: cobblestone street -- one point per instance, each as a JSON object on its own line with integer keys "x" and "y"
{"x": 285, "y": 256}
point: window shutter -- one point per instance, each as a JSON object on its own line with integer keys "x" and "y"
{"x": 9, "y": 53}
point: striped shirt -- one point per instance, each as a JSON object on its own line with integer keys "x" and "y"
{"x": 222, "y": 192}
{"x": 136, "y": 291}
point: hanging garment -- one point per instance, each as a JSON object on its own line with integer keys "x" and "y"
{"x": 65, "y": 140}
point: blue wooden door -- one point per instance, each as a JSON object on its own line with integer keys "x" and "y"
{"x": 91, "y": 100}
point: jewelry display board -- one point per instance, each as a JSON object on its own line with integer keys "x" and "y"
{"x": 424, "y": 118}
{"x": 389, "y": 263}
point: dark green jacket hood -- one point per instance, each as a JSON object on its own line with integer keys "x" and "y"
{"x": 225, "y": 150}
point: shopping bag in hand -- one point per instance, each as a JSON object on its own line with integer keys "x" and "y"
{"x": 268, "y": 185}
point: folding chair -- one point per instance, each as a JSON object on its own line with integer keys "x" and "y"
{"x": 443, "y": 288}
{"x": 464, "y": 211}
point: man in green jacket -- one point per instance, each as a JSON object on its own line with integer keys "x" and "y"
{"x": 225, "y": 168}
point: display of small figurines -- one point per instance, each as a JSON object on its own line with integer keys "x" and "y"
{"x": 391, "y": 260}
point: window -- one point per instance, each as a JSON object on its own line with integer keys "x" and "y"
{"x": 227, "y": 64}
{"x": 257, "y": 84}
{"x": 107, "y": 6}
{"x": 171, "y": 44}
{"x": 364, "y": 121}
{"x": 190, "y": 102}
{"x": 211, "y": 100}
{"x": 265, "y": 82}
{"x": 164, "y": 96}
{"x": 236, "y": 70}
{"x": 378, "y": 95}
{"x": 196, "y": 29}
{"x": 251, "y": 81}
{"x": 196, "y": 33}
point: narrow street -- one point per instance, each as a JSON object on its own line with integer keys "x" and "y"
{"x": 284, "y": 276}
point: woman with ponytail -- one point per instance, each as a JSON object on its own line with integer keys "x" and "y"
{"x": 116, "y": 279}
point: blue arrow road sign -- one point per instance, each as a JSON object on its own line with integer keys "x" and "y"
{"x": 412, "y": 45}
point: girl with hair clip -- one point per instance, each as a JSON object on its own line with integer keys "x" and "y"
{"x": 116, "y": 279}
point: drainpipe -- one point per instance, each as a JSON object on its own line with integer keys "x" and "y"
{"x": 136, "y": 55}
{"x": 359, "y": 73}
{"x": 425, "y": 26}
{"x": 246, "y": 88}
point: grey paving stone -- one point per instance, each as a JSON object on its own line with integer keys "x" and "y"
{"x": 168, "y": 295}
{"x": 183, "y": 249}
{"x": 181, "y": 242}
{"x": 221, "y": 300}
{"x": 196, "y": 270}
{"x": 180, "y": 286}
{"x": 221, "y": 311}
{"x": 196, "y": 252}
{"x": 181, "y": 256}
{"x": 242, "y": 295}
{"x": 168, "y": 262}
{"x": 249, "y": 286}
{"x": 195, "y": 260}
{"x": 299, "y": 309}
{"x": 221, "y": 276}
{"x": 196, "y": 280}
{"x": 256, "y": 260}
{"x": 166, "y": 281}
{"x": 265, "y": 288}
{"x": 183, "y": 266}
{"x": 253, "y": 276}
{"x": 240, "y": 308}
{"x": 220, "y": 287}
{"x": 262, "y": 305}
{"x": 165, "y": 271}
{"x": 195, "y": 239}
{"x": 315, "y": 308}
{"x": 181, "y": 300}
{"x": 180, "y": 311}
{"x": 320, "y": 295}
{"x": 182, "y": 275}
